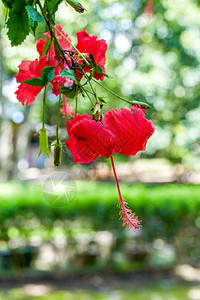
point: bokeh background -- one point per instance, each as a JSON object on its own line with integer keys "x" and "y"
{"x": 74, "y": 246}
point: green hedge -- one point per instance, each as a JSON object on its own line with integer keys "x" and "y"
{"x": 163, "y": 209}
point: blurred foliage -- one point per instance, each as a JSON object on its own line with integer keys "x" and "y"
{"x": 170, "y": 213}
{"x": 155, "y": 59}
{"x": 163, "y": 292}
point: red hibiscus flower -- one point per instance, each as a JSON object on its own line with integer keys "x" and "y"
{"x": 89, "y": 139}
{"x": 93, "y": 49}
{"x": 26, "y": 94}
{"x": 30, "y": 69}
{"x": 122, "y": 132}
{"x": 90, "y": 45}
{"x": 129, "y": 130}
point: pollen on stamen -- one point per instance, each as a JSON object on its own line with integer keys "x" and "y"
{"x": 129, "y": 220}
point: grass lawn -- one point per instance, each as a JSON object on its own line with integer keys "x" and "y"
{"x": 155, "y": 292}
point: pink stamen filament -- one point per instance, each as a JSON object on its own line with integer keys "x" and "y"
{"x": 125, "y": 213}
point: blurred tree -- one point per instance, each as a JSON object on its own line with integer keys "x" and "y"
{"x": 156, "y": 59}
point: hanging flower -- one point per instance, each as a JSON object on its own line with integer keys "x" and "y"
{"x": 129, "y": 129}
{"x": 123, "y": 131}
{"x": 26, "y": 94}
{"x": 67, "y": 110}
{"x": 89, "y": 139}
{"x": 95, "y": 51}
{"x": 27, "y": 70}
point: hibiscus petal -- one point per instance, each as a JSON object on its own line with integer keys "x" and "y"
{"x": 99, "y": 140}
{"x": 132, "y": 129}
{"x": 40, "y": 46}
{"x": 26, "y": 94}
{"x": 80, "y": 151}
{"x": 29, "y": 69}
{"x": 89, "y": 139}
{"x": 90, "y": 44}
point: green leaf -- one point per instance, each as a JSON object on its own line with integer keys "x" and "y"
{"x": 18, "y": 24}
{"x": 47, "y": 74}
{"x": 34, "y": 17}
{"x": 34, "y": 82}
{"x": 8, "y": 3}
{"x": 51, "y": 6}
{"x": 46, "y": 47}
{"x": 99, "y": 70}
{"x": 69, "y": 74}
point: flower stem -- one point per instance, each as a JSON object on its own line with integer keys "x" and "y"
{"x": 126, "y": 214}
{"x": 58, "y": 113}
{"x": 52, "y": 33}
{"x": 119, "y": 97}
{"x": 88, "y": 95}
{"x": 71, "y": 44}
{"x": 106, "y": 88}
{"x": 76, "y": 106}
{"x": 86, "y": 76}
{"x": 117, "y": 182}
{"x": 43, "y": 107}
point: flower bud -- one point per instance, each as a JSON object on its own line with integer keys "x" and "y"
{"x": 57, "y": 154}
{"x": 43, "y": 143}
{"x": 76, "y": 5}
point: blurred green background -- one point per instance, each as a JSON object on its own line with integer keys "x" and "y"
{"x": 73, "y": 246}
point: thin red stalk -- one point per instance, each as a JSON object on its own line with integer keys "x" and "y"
{"x": 117, "y": 182}
{"x": 128, "y": 218}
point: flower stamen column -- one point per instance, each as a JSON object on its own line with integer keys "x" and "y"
{"x": 126, "y": 215}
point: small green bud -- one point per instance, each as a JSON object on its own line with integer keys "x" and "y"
{"x": 76, "y": 5}
{"x": 43, "y": 143}
{"x": 57, "y": 151}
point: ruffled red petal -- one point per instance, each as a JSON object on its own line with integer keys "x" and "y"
{"x": 75, "y": 121}
{"x": 89, "y": 139}
{"x": 26, "y": 94}
{"x": 90, "y": 44}
{"x": 131, "y": 129}
{"x": 27, "y": 70}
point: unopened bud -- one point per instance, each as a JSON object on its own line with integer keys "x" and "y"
{"x": 76, "y": 5}
{"x": 79, "y": 9}
{"x": 43, "y": 143}
{"x": 57, "y": 154}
